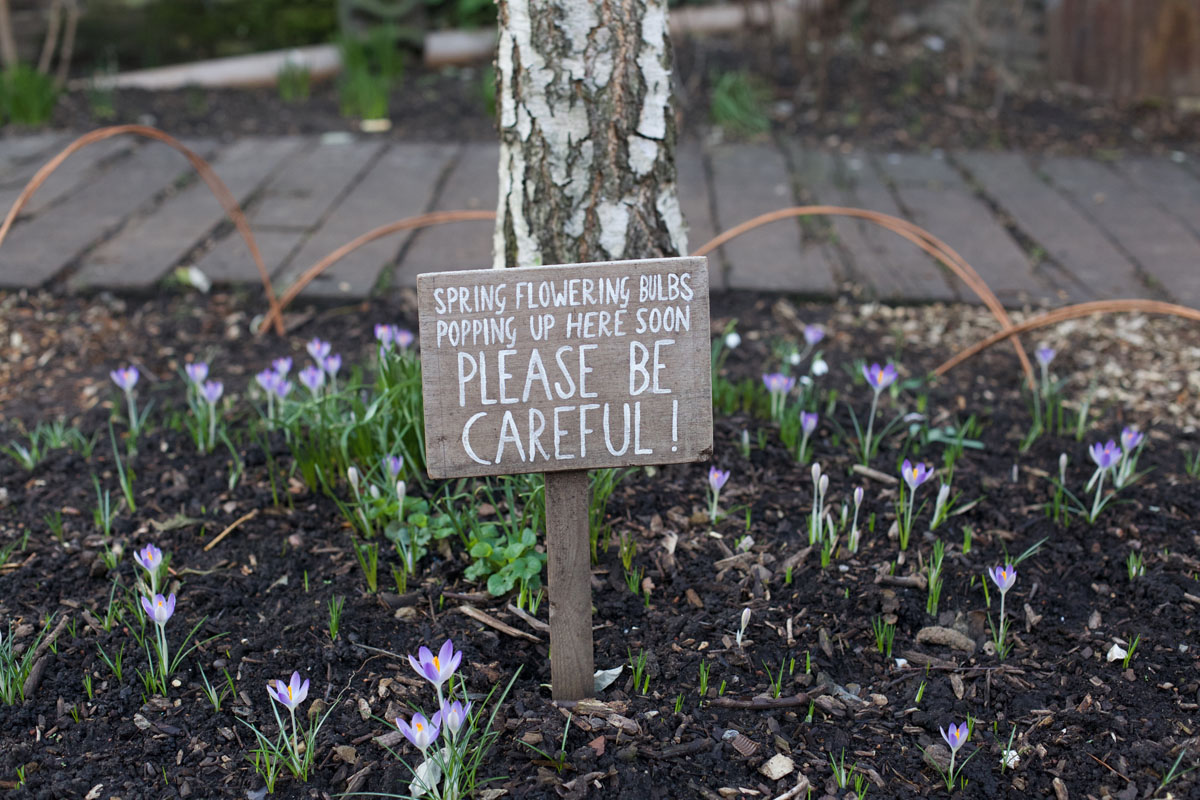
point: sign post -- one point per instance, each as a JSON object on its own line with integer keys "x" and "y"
{"x": 560, "y": 370}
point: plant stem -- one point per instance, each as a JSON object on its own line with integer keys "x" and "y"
{"x": 870, "y": 427}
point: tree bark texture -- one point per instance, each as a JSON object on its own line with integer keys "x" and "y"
{"x": 587, "y": 133}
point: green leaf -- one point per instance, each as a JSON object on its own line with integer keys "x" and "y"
{"x": 481, "y": 550}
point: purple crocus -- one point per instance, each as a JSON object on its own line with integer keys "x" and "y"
{"x": 125, "y": 377}
{"x": 283, "y": 388}
{"x": 289, "y": 694}
{"x": 717, "y": 478}
{"x": 393, "y": 465}
{"x": 332, "y": 364}
{"x": 318, "y": 349}
{"x": 282, "y": 366}
{"x": 403, "y": 337}
{"x": 1105, "y": 455}
{"x": 808, "y": 422}
{"x": 197, "y": 372}
{"x": 313, "y": 378}
{"x": 813, "y": 334}
{"x": 436, "y": 669}
{"x": 421, "y": 732}
{"x": 160, "y": 608}
{"x": 211, "y": 391}
{"x": 452, "y": 716}
{"x": 1003, "y": 576}
{"x": 384, "y": 334}
{"x": 915, "y": 474}
{"x": 149, "y": 558}
{"x": 1131, "y": 438}
{"x": 1045, "y": 355}
{"x": 879, "y": 377}
{"x": 956, "y": 737}
{"x": 778, "y": 383}
{"x": 268, "y": 379}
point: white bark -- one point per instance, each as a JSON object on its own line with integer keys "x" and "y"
{"x": 587, "y": 133}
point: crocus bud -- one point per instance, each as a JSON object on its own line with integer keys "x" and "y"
{"x": 816, "y": 472}
{"x": 823, "y": 485}
{"x": 942, "y": 497}
{"x": 352, "y": 476}
{"x": 858, "y": 496}
{"x": 400, "y": 490}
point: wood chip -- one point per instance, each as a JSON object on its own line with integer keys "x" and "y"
{"x": 946, "y": 637}
{"x": 693, "y": 598}
{"x": 487, "y": 619}
{"x": 530, "y": 619}
{"x": 874, "y": 474}
{"x": 1060, "y": 789}
{"x": 777, "y": 766}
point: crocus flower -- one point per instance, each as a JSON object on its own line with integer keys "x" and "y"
{"x": 421, "y": 733}
{"x": 1045, "y": 355}
{"x": 717, "y": 478}
{"x": 778, "y": 383}
{"x": 384, "y": 334}
{"x": 1105, "y": 455}
{"x": 268, "y": 379}
{"x": 149, "y": 558}
{"x": 452, "y": 716}
{"x": 808, "y": 422}
{"x": 125, "y": 378}
{"x": 879, "y": 377}
{"x": 403, "y": 337}
{"x": 813, "y": 334}
{"x": 858, "y": 496}
{"x": 732, "y": 340}
{"x": 915, "y": 474}
{"x": 282, "y": 366}
{"x": 290, "y": 694}
{"x": 1131, "y": 438}
{"x": 160, "y": 609}
{"x": 956, "y": 737}
{"x": 332, "y": 364}
{"x": 211, "y": 391}
{"x": 318, "y": 349}
{"x": 313, "y": 378}
{"x": 436, "y": 669}
{"x": 196, "y": 372}
{"x": 819, "y": 367}
{"x": 1004, "y": 576}
{"x": 283, "y": 388}
{"x": 393, "y": 465}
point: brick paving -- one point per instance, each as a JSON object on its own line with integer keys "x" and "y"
{"x": 122, "y": 214}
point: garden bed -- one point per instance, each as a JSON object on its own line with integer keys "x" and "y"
{"x": 1081, "y": 725}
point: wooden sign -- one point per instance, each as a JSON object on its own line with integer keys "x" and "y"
{"x": 573, "y": 367}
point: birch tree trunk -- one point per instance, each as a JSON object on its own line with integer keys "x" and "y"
{"x": 587, "y": 133}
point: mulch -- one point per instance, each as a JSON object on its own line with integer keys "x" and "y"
{"x": 1083, "y": 726}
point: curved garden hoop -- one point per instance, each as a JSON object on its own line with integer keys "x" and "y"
{"x": 202, "y": 167}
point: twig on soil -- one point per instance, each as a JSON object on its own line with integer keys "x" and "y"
{"x": 797, "y": 790}
{"x": 768, "y": 703}
{"x": 533, "y": 621}
{"x": 875, "y": 474}
{"x": 243, "y": 518}
{"x": 487, "y": 619}
{"x": 1110, "y": 769}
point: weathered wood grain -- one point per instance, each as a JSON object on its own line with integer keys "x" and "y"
{"x": 568, "y": 572}
{"x": 512, "y": 385}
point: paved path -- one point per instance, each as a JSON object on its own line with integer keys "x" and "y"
{"x": 124, "y": 213}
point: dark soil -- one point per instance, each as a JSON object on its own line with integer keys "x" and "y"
{"x": 1084, "y": 727}
{"x": 870, "y": 92}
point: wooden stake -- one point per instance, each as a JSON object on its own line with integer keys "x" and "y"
{"x": 572, "y": 664}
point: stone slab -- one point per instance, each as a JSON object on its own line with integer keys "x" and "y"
{"x": 229, "y": 260}
{"x": 80, "y": 167}
{"x": 301, "y": 194}
{"x": 473, "y": 184}
{"x": 400, "y": 184}
{"x": 38, "y": 250}
{"x": 144, "y": 251}
{"x": 935, "y": 197}
{"x": 1096, "y": 268}
{"x": 1174, "y": 187}
{"x": 886, "y": 265}
{"x": 1162, "y": 246}
{"x": 749, "y": 180}
{"x": 19, "y": 151}
{"x": 695, "y": 201}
